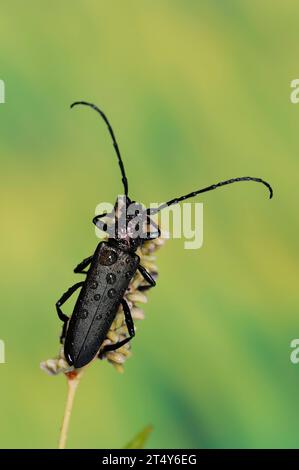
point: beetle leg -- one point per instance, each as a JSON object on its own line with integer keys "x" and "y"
{"x": 64, "y": 318}
{"x": 151, "y": 235}
{"x": 63, "y": 332}
{"x": 80, "y": 268}
{"x": 104, "y": 226}
{"x": 131, "y": 330}
{"x": 100, "y": 216}
{"x": 147, "y": 276}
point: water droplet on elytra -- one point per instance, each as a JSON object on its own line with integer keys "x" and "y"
{"x": 84, "y": 314}
{"x": 128, "y": 259}
{"x": 111, "y": 293}
{"x": 99, "y": 316}
{"x": 111, "y": 278}
{"x": 128, "y": 274}
{"x": 108, "y": 256}
{"x": 94, "y": 285}
{"x": 97, "y": 297}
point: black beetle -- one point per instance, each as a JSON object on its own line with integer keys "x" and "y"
{"x": 112, "y": 266}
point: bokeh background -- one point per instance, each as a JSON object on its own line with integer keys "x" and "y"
{"x": 196, "y": 92}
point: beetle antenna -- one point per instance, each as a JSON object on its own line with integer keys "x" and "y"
{"x": 210, "y": 188}
{"x": 115, "y": 145}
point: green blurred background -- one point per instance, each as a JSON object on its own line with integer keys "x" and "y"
{"x": 196, "y": 92}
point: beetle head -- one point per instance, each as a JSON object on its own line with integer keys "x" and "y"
{"x": 128, "y": 226}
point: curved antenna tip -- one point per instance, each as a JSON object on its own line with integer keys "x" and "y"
{"x": 75, "y": 103}
{"x": 269, "y": 187}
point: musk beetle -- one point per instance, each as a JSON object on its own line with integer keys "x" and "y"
{"x": 111, "y": 268}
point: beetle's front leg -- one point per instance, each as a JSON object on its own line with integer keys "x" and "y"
{"x": 81, "y": 266}
{"x": 147, "y": 277}
{"x": 64, "y": 318}
{"x": 131, "y": 330}
{"x": 101, "y": 225}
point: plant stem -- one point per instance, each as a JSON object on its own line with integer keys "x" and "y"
{"x": 73, "y": 379}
